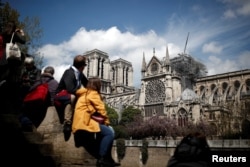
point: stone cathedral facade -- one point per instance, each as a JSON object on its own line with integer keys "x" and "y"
{"x": 162, "y": 93}
{"x": 116, "y": 77}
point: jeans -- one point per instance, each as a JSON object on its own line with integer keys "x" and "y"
{"x": 106, "y": 144}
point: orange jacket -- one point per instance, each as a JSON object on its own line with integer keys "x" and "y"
{"x": 89, "y": 101}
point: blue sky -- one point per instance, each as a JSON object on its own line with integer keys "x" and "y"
{"x": 219, "y": 30}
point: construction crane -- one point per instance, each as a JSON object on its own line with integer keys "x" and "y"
{"x": 186, "y": 45}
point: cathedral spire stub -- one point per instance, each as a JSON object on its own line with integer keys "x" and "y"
{"x": 143, "y": 68}
{"x": 167, "y": 60}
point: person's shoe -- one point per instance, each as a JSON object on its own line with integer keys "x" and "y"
{"x": 67, "y": 131}
{"x": 102, "y": 162}
{"x": 117, "y": 164}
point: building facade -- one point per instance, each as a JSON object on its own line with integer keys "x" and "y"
{"x": 220, "y": 100}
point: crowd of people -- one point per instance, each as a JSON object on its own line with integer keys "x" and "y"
{"x": 76, "y": 99}
{"x": 68, "y": 96}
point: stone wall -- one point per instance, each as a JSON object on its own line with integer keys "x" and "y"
{"x": 159, "y": 151}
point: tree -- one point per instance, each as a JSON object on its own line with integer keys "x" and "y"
{"x": 129, "y": 114}
{"x": 34, "y": 34}
{"x": 121, "y": 149}
{"x": 160, "y": 127}
{"x": 113, "y": 116}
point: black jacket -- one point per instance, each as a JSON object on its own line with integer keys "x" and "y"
{"x": 69, "y": 82}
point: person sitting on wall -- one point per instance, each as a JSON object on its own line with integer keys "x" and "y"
{"x": 33, "y": 114}
{"x": 192, "y": 151}
{"x": 95, "y": 136}
{"x": 65, "y": 99}
{"x": 30, "y": 75}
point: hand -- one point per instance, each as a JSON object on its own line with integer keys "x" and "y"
{"x": 20, "y": 31}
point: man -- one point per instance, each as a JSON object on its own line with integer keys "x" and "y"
{"x": 34, "y": 113}
{"x": 29, "y": 76}
{"x": 72, "y": 79}
{"x": 48, "y": 76}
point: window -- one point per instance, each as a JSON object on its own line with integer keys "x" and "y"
{"x": 182, "y": 118}
{"x": 154, "y": 68}
{"x": 155, "y": 91}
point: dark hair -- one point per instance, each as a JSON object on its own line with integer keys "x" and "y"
{"x": 12, "y": 25}
{"x": 79, "y": 61}
{"x": 94, "y": 84}
{"x": 193, "y": 147}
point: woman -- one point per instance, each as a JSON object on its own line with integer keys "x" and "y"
{"x": 10, "y": 70}
{"x": 95, "y": 137}
{"x": 7, "y": 67}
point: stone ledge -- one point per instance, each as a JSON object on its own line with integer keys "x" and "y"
{"x": 173, "y": 143}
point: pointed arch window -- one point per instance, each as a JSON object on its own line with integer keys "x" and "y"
{"x": 154, "y": 68}
{"x": 202, "y": 93}
{"x": 236, "y": 86}
{"x": 113, "y": 76}
{"x": 126, "y": 76}
{"x": 182, "y": 118}
{"x": 224, "y": 87}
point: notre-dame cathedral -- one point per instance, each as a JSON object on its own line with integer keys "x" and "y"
{"x": 221, "y": 100}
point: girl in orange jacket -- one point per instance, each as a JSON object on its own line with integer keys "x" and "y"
{"x": 97, "y": 138}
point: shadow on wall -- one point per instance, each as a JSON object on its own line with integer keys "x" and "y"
{"x": 15, "y": 149}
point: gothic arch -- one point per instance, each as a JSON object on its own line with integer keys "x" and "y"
{"x": 225, "y": 90}
{"x": 182, "y": 117}
{"x": 248, "y": 86}
{"x": 202, "y": 93}
{"x": 213, "y": 128}
{"x": 214, "y": 94}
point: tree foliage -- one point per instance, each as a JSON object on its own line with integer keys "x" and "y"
{"x": 130, "y": 114}
{"x": 121, "y": 149}
{"x": 113, "y": 116}
{"x": 160, "y": 127}
{"x": 144, "y": 151}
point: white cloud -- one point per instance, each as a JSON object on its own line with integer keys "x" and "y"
{"x": 244, "y": 60}
{"x": 131, "y": 47}
{"x": 59, "y": 69}
{"x": 216, "y": 65}
{"x": 228, "y": 14}
{"x": 236, "y": 8}
{"x": 212, "y": 47}
{"x": 244, "y": 8}
{"x": 112, "y": 41}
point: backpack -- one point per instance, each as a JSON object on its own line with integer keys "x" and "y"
{"x": 38, "y": 95}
